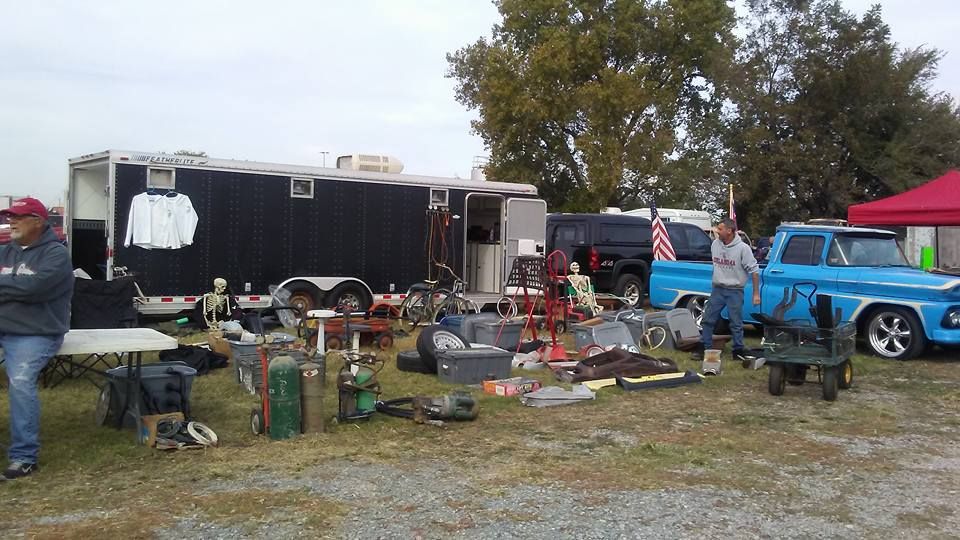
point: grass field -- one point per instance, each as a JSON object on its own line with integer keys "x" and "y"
{"x": 727, "y": 432}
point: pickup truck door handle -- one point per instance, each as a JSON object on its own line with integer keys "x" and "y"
{"x": 776, "y": 271}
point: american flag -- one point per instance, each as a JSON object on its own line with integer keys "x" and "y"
{"x": 733, "y": 212}
{"x": 662, "y": 248}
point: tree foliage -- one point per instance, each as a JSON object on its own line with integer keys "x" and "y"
{"x": 603, "y": 102}
{"x": 829, "y": 112}
{"x": 588, "y": 99}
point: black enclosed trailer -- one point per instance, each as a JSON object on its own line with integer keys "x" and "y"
{"x": 326, "y": 234}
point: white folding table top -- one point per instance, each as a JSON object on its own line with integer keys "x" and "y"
{"x": 115, "y": 340}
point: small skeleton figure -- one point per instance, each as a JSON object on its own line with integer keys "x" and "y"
{"x": 581, "y": 285}
{"x": 217, "y": 304}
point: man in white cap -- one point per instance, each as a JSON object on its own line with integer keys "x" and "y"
{"x": 36, "y": 285}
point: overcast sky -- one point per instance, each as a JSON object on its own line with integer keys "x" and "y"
{"x": 269, "y": 81}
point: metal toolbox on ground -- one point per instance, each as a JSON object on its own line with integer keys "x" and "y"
{"x": 473, "y": 366}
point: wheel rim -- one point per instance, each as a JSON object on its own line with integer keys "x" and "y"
{"x": 890, "y": 334}
{"x": 445, "y": 340}
{"x": 301, "y": 301}
{"x": 698, "y": 306}
{"x": 415, "y": 309}
{"x": 847, "y": 373}
{"x": 632, "y": 293}
{"x": 350, "y": 300}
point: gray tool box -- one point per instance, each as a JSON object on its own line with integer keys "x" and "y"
{"x": 473, "y": 366}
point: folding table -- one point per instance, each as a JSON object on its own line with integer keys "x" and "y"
{"x": 129, "y": 343}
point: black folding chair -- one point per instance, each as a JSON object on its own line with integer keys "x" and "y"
{"x": 95, "y": 304}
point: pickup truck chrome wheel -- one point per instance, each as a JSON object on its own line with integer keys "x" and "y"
{"x": 697, "y": 306}
{"x": 895, "y": 333}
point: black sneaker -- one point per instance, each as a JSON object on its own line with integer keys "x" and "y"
{"x": 19, "y": 469}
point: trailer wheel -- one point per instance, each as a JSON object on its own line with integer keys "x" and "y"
{"x": 350, "y": 295}
{"x": 303, "y": 299}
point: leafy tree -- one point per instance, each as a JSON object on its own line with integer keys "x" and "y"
{"x": 830, "y": 112}
{"x": 592, "y": 100}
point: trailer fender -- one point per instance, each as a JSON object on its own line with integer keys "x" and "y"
{"x": 320, "y": 287}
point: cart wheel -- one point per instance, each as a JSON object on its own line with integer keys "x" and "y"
{"x": 776, "y": 380}
{"x": 831, "y": 382}
{"x": 334, "y": 343}
{"x": 103, "y": 406}
{"x": 796, "y": 375}
{"x": 560, "y": 326}
{"x": 256, "y": 421}
{"x": 846, "y": 375}
{"x": 385, "y": 341}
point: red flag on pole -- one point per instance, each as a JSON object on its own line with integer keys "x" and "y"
{"x": 662, "y": 248}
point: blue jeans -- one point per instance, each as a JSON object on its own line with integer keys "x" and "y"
{"x": 25, "y": 357}
{"x": 722, "y": 297}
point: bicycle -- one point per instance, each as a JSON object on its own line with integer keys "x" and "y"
{"x": 426, "y": 301}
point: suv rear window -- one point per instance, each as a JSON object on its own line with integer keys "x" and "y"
{"x": 624, "y": 234}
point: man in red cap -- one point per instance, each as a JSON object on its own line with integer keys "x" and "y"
{"x": 36, "y": 285}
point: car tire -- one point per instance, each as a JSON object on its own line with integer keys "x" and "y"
{"x": 895, "y": 333}
{"x": 437, "y": 337}
{"x": 630, "y": 288}
{"x": 409, "y": 361}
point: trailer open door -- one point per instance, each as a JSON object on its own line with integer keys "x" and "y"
{"x": 525, "y": 230}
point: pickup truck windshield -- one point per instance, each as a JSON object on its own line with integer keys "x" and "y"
{"x": 851, "y": 250}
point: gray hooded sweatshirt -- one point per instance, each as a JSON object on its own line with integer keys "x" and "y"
{"x": 732, "y": 263}
{"x": 36, "y": 286}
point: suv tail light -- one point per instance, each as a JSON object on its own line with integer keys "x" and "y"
{"x": 594, "y": 260}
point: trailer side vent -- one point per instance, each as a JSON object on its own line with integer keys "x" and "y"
{"x": 301, "y": 188}
{"x": 161, "y": 178}
{"x": 439, "y": 198}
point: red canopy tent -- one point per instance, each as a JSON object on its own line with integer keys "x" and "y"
{"x": 936, "y": 203}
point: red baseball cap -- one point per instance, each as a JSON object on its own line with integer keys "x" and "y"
{"x": 27, "y": 206}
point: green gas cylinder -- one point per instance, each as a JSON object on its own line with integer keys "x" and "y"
{"x": 366, "y": 401}
{"x": 283, "y": 381}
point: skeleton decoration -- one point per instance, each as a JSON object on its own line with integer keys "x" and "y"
{"x": 216, "y": 304}
{"x": 581, "y": 285}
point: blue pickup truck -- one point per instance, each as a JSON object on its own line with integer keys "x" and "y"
{"x": 899, "y": 310}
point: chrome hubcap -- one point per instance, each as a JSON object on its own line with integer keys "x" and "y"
{"x": 698, "y": 306}
{"x": 890, "y": 335}
{"x": 350, "y": 300}
{"x": 632, "y": 293}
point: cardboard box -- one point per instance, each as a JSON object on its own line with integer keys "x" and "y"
{"x": 148, "y": 433}
{"x": 218, "y": 344}
{"x": 511, "y": 387}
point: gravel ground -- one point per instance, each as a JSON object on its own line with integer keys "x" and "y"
{"x": 437, "y": 500}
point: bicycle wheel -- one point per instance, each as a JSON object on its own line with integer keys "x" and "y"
{"x": 456, "y": 305}
{"x": 413, "y": 310}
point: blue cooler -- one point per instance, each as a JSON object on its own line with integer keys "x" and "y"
{"x": 453, "y": 321}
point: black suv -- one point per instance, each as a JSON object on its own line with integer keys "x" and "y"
{"x": 616, "y": 251}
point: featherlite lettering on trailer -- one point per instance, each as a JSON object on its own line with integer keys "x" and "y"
{"x": 328, "y": 235}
